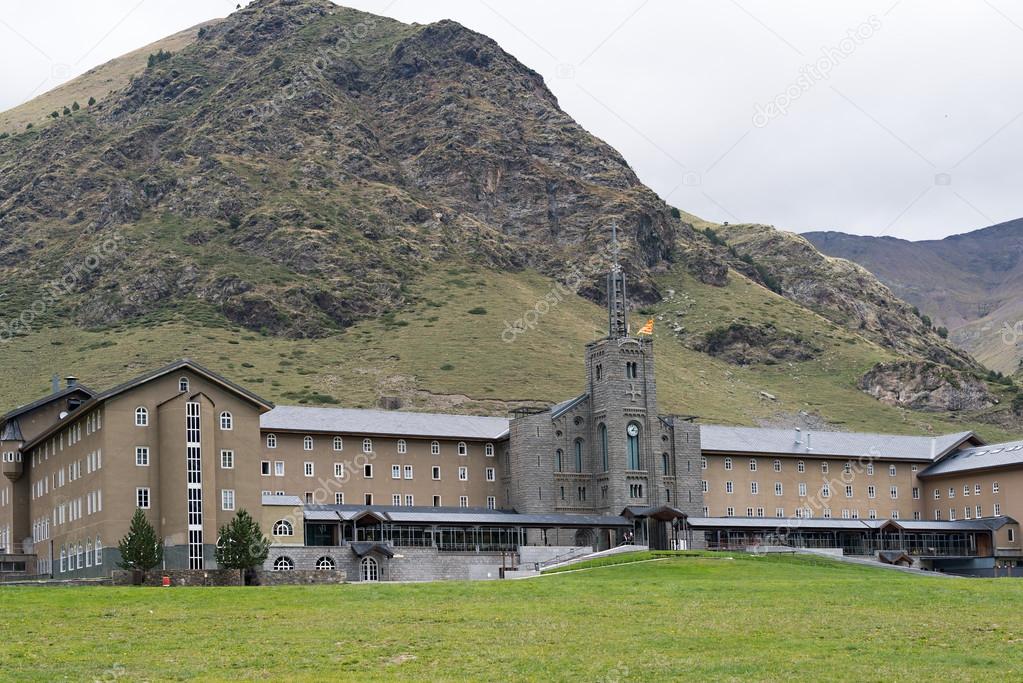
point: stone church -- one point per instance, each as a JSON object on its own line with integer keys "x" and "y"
{"x": 609, "y": 451}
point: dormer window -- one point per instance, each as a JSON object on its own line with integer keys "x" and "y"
{"x": 183, "y": 384}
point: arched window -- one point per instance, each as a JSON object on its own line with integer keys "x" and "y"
{"x": 183, "y": 384}
{"x": 283, "y": 564}
{"x": 88, "y": 553}
{"x": 338, "y": 443}
{"x": 63, "y": 559}
{"x": 99, "y": 552}
{"x": 488, "y": 450}
{"x": 271, "y": 441}
{"x": 367, "y": 445}
{"x": 325, "y": 564}
{"x": 665, "y": 464}
{"x": 402, "y": 446}
{"x": 602, "y": 433}
{"x": 728, "y": 463}
{"x": 559, "y": 457}
{"x": 632, "y": 445}
{"x": 462, "y": 448}
{"x": 283, "y": 527}
{"x": 370, "y": 570}
{"x": 307, "y": 443}
{"x": 435, "y": 448}
{"x": 226, "y": 421}
{"x": 141, "y": 417}
{"x": 578, "y": 455}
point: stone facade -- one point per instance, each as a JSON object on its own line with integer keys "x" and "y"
{"x": 608, "y": 449}
{"x": 408, "y": 564}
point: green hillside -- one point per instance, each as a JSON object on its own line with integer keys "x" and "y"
{"x": 445, "y": 352}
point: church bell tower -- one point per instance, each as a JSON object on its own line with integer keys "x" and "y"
{"x": 625, "y": 430}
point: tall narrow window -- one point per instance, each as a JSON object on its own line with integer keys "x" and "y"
{"x": 559, "y": 456}
{"x": 183, "y": 384}
{"x": 402, "y": 446}
{"x": 632, "y": 445}
{"x": 665, "y": 464}
{"x": 602, "y": 433}
{"x": 339, "y": 443}
{"x": 271, "y": 441}
{"x": 578, "y": 455}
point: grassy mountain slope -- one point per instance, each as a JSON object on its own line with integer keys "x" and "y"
{"x": 96, "y": 83}
{"x": 969, "y": 283}
{"x": 445, "y": 352}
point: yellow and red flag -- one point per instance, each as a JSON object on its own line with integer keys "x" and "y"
{"x": 648, "y": 328}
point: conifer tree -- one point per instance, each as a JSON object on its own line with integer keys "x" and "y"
{"x": 140, "y": 549}
{"x": 242, "y": 545}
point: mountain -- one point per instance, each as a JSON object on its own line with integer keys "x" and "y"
{"x": 971, "y": 284}
{"x": 335, "y": 207}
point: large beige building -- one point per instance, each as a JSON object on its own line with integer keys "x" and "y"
{"x": 337, "y": 488}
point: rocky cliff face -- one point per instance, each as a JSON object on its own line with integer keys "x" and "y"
{"x": 296, "y": 166}
{"x": 926, "y": 386}
{"x": 843, "y": 292}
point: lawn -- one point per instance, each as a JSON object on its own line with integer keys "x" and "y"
{"x": 701, "y": 618}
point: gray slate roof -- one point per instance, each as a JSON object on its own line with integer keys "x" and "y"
{"x": 389, "y": 422}
{"x": 460, "y": 516}
{"x": 981, "y": 457}
{"x": 796, "y": 523}
{"x": 827, "y": 444}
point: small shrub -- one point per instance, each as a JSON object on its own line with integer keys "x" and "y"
{"x": 92, "y": 101}
{"x": 54, "y": 114}
{"x": 447, "y": 367}
{"x": 479, "y": 310}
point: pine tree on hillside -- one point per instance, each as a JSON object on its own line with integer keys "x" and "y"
{"x": 242, "y": 544}
{"x": 140, "y": 549}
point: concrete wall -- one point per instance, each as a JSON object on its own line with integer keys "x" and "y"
{"x": 408, "y": 564}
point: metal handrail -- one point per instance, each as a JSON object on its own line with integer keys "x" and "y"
{"x": 564, "y": 557}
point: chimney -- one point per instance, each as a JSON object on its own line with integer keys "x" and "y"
{"x": 71, "y": 381}
{"x": 934, "y": 447}
{"x": 55, "y": 383}
{"x": 808, "y": 441}
{"x": 799, "y": 435}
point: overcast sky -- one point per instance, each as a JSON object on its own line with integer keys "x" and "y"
{"x": 900, "y": 118}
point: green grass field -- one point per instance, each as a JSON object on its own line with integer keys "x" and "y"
{"x": 721, "y": 617}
